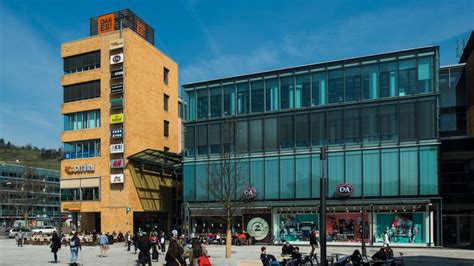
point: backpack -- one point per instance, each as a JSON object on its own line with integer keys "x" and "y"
{"x": 204, "y": 261}
{"x": 72, "y": 243}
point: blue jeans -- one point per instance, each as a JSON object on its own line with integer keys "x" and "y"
{"x": 74, "y": 252}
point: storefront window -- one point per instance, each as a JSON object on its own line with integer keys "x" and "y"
{"x": 401, "y": 227}
{"x": 347, "y": 227}
{"x": 294, "y": 227}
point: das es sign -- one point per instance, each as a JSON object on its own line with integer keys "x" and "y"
{"x": 116, "y": 148}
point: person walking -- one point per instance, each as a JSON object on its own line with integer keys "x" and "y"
{"x": 313, "y": 241}
{"x": 144, "y": 246}
{"x": 155, "y": 242}
{"x": 55, "y": 245}
{"x": 162, "y": 242}
{"x": 135, "y": 241}
{"x": 386, "y": 241}
{"x": 174, "y": 256}
{"x": 128, "y": 238}
{"x": 75, "y": 245}
{"x": 19, "y": 238}
{"x": 103, "y": 244}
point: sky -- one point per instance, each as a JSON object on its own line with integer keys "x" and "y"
{"x": 208, "y": 39}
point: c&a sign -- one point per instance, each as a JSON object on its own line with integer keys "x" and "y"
{"x": 344, "y": 190}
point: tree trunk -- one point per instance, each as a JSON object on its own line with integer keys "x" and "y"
{"x": 228, "y": 241}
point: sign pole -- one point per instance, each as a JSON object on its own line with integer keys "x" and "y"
{"x": 322, "y": 212}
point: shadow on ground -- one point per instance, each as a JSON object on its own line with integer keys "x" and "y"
{"x": 435, "y": 261}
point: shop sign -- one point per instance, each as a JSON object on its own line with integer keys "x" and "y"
{"x": 140, "y": 27}
{"x": 117, "y": 88}
{"x": 249, "y": 193}
{"x": 106, "y": 23}
{"x": 258, "y": 228}
{"x": 116, "y": 178}
{"x": 116, "y": 44}
{"x": 116, "y": 73}
{"x": 116, "y": 148}
{"x": 116, "y": 103}
{"x": 117, "y": 163}
{"x": 116, "y": 118}
{"x": 85, "y": 168}
{"x": 116, "y": 133}
{"x": 116, "y": 59}
{"x": 344, "y": 190}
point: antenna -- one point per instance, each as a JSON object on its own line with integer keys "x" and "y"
{"x": 460, "y": 45}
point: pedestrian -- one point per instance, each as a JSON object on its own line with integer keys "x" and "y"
{"x": 313, "y": 241}
{"x": 162, "y": 242}
{"x": 386, "y": 241}
{"x": 55, "y": 245}
{"x": 103, "y": 244}
{"x": 174, "y": 256}
{"x": 19, "y": 238}
{"x": 135, "y": 241}
{"x": 144, "y": 246}
{"x": 195, "y": 253}
{"x": 155, "y": 242}
{"x": 128, "y": 238}
{"x": 75, "y": 245}
{"x": 175, "y": 233}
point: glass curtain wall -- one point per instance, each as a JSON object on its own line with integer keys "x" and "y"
{"x": 352, "y": 84}
{"x": 370, "y": 81}
{"x": 243, "y": 100}
{"x": 229, "y": 99}
{"x": 319, "y": 88}
{"x": 216, "y": 101}
{"x": 303, "y": 91}
{"x": 336, "y": 86}
{"x": 287, "y": 90}
{"x": 272, "y": 94}
{"x": 257, "y": 96}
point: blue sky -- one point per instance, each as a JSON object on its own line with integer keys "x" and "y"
{"x": 208, "y": 39}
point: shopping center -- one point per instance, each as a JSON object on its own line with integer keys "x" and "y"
{"x": 376, "y": 114}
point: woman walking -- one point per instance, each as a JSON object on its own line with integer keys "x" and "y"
{"x": 103, "y": 244}
{"x": 55, "y": 245}
{"x": 75, "y": 245}
{"x": 174, "y": 256}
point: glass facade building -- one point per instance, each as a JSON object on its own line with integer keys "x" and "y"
{"x": 378, "y": 116}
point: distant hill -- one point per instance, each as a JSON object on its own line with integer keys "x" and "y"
{"x": 30, "y": 155}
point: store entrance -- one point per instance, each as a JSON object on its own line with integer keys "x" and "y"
{"x": 148, "y": 221}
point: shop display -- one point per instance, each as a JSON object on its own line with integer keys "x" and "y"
{"x": 296, "y": 227}
{"x": 346, "y": 227}
{"x": 400, "y": 227}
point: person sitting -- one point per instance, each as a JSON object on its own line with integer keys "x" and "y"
{"x": 388, "y": 252}
{"x": 356, "y": 257}
{"x": 380, "y": 257}
{"x": 296, "y": 255}
{"x": 267, "y": 259}
{"x": 287, "y": 249}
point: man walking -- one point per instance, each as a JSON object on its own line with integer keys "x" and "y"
{"x": 19, "y": 238}
{"x": 128, "y": 238}
{"x": 75, "y": 245}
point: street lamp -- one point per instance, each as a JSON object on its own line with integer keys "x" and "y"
{"x": 322, "y": 217}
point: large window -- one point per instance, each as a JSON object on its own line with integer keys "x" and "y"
{"x": 303, "y": 91}
{"x": 243, "y": 100}
{"x": 353, "y": 84}
{"x": 388, "y": 79}
{"x": 82, "y": 91}
{"x": 201, "y": 139}
{"x": 370, "y": 81}
{"x": 287, "y": 92}
{"x": 90, "y": 193}
{"x": 388, "y": 123}
{"x": 215, "y": 138}
{"x": 409, "y": 171}
{"x": 272, "y": 99}
{"x": 82, "y": 149}
{"x": 407, "y": 119}
{"x": 334, "y": 127}
{"x": 191, "y": 97}
{"x": 336, "y": 86}
{"x": 271, "y": 134}
{"x": 257, "y": 96}
{"x": 319, "y": 88}
{"x": 216, "y": 101}
{"x": 371, "y": 170}
{"x": 256, "y": 135}
{"x": 407, "y": 77}
{"x": 189, "y": 141}
{"x": 352, "y": 125}
{"x": 426, "y": 120}
{"x": 241, "y": 136}
{"x": 82, "y": 120}
{"x": 287, "y": 139}
{"x": 70, "y": 194}
{"x": 202, "y": 103}
{"x": 82, "y": 62}
{"x": 229, "y": 99}
{"x": 302, "y": 134}
{"x": 318, "y": 128}
{"x": 370, "y": 124}
{"x": 390, "y": 169}
{"x": 425, "y": 72}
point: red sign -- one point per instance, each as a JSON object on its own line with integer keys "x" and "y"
{"x": 344, "y": 190}
{"x": 105, "y": 23}
{"x": 249, "y": 193}
{"x": 117, "y": 163}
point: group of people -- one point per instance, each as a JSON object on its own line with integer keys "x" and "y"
{"x": 288, "y": 253}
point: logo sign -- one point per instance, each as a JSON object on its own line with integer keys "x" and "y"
{"x": 116, "y": 133}
{"x": 116, "y": 58}
{"x": 116, "y": 103}
{"x": 116, "y": 179}
{"x": 140, "y": 28}
{"x": 105, "y": 23}
{"x": 249, "y": 193}
{"x": 117, "y": 163}
{"x": 117, "y": 88}
{"x": 85, "y": 168}
{"x": 116, "y": 44}
{"x": 116, "y": 118}
{"x": 116, "y": 148}
{"x": 258, "y": 228}
{"x": 116, "y": 73}
{"x": 344, "y": 190}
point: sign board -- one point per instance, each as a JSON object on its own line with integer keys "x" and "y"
{"x": 258, "y": 228}
{"x": 140, "y": 28}
{"x": 116, "y": 59}
{"x": 116, "y": 178}
{"x": 116, "y": 163}
{"x": 116, "y": 118}
{"x": 116, "y": 73}
{"x": 105, "y": 23}
{"x": 77, "y": 169}
{"x": 116, "y": 148}
{"x": 344, "y": 190}
{"x": 116, "y": 133}
{"x": 116, "y": 103}
{"x": 117, "y": 88}
{"x": 116, "y": 44}
{"x": 249, "y": 193}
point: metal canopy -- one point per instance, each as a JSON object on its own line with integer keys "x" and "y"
{"x": 159, "y": 159}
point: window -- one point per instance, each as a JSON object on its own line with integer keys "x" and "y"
{"x": 409, "y": 171}
{"x": 407, "y": 77}
{"x": 287, "y": 92}
{"x": 425, "y": 72}
{"x": 202, "y": 103}
{"x": 256, "y": 135}
{"x": 257, "y": 96}
{"x": 82, "y": 62}
{"x": 370, "y": 124}
{"x": 82, "y": 149}
{"x": 302, "y": 136}
{"x": 388, "y": 123}
{"x": 388, "y": 79}
{"x": 271, "y": 94}
{"x": 215, "y": 138}
{"x": 426, "y": 120}
{"x": 201, "y": 139}
{"x": 336, "y": 86}
{"x": 241, "y": 136}
{"x": 166, "y": 128}
{"x": 303, "y": 91}
{"x": 287, "y": 139}
{"x": 191, "y": 97}
{"x": 229, "y": 99}
{"x": 370, "y": 80}
{"x": 166, "y": 73}
{"x": 82, "y": 120}
{"x": 70, "y": 194}
{"x": 371, "y": 170}
{"x": 334, "y": 127}
{"x": 390, "y": 170}
{"x": 243, "y": 98}
{"x": 352, "y": 84}
{"x": 189, "y": 141}
{"x": 216, "y": 101}
{"x": 319, "y": 88}
{"x": 271, "y": 134}
{"x": 228, "y": 136}
{"x": 407, "y": 119}
{"x": 318, "y": 129}
{"x": 90, "y": 193}
{"x": 352, "y": 125}
{"x": 165, "y": 102}
{"x": 82, "y": 91}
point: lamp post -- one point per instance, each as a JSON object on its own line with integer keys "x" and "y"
{"x": 322, "y": 216}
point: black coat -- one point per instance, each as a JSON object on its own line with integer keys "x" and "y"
{"x": 55, "y": 243}
{"x": 144, "y": 244}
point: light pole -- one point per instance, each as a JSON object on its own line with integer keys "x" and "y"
{"x": 322, "y": 217}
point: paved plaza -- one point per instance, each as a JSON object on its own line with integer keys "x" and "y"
{"x": 10, "y": 254}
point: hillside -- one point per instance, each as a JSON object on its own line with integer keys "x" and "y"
{"x": 30, "y": 155}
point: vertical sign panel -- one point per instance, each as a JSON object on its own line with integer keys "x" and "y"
{"x": 105, "y": 23}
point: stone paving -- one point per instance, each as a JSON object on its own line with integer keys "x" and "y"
{"x": 10, "y": 254}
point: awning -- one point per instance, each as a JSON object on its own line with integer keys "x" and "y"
{"x": 160, "y": 160}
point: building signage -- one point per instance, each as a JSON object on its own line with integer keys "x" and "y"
{"x": 116, "y": 103}
{"x": 140, "y": 27}
{"x": 117, "y": 88}
{"x": 258, "y": 228}
{"x": 116, "y": 118}
{"x": 249, "y": 193}
{"x": 117, "y": 163}
{"x": 85, "y": 168}
{"x": 116, "y": 179}
{"x": 116, "y": 148}
{"x": 344, "y": 190}
{"x": 116, "y": 44}
{"x": 116, "y": 59}
{"x": 106, "y": 23}
{"x": 116, "y": 133}
{"x": 116, "y": 73}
